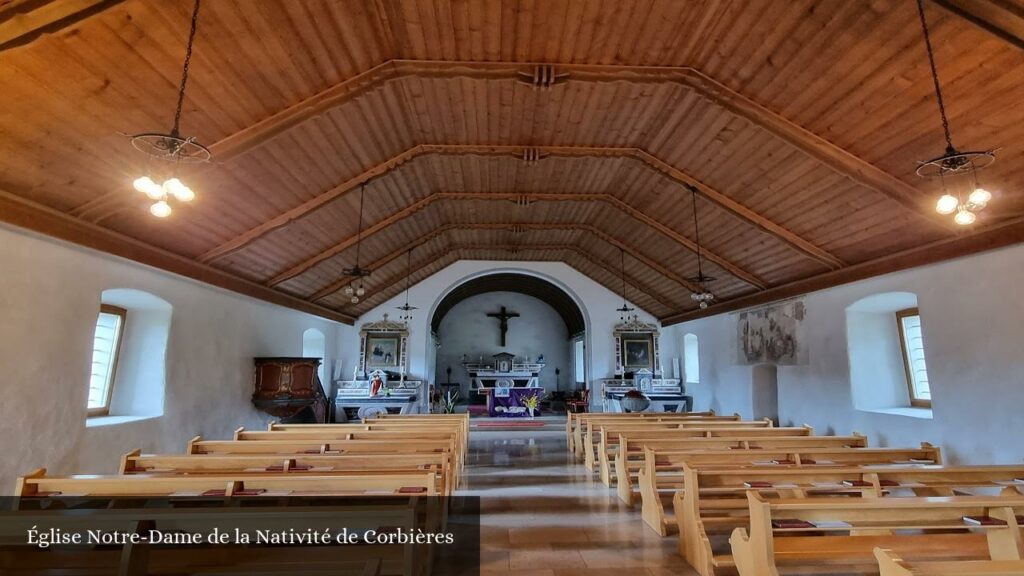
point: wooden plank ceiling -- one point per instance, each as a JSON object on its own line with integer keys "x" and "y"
{"x": 799, "y": 123}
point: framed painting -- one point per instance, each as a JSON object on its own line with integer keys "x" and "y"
{"x": 381, "y": 351}
{"x": 637, "y": 353}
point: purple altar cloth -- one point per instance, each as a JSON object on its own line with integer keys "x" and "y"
{"x": 511, "y": 406}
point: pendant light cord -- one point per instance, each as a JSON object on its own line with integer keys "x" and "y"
{"x": 935, "y": 77}
{"x": 408, "y": 275}
{"x": 359, "y": 233}
{"x": 696, "y": 235}
{"x": 622, "y": 263}
{"x": 184, "y": 70}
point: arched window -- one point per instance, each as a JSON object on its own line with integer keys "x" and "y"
{"x": 691, "y": 359}
{"x": 128, "y": 371}
{"x": 314, "y": 345}
{"x": 886, "y": 348}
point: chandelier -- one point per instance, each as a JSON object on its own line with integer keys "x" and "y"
{"x": 406, "y": 308}
{"x": 355, "y": 289}
{"x": 957, "y": 171}
{"x": 624, "y": 311}
{"x": 171, "y": 148}
{"x": 703, "y": 297}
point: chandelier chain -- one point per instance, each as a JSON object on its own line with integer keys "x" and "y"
{"x": 696, "y": 233}
{"x": 184, "y": 70}
{"x": 935, "y": 77}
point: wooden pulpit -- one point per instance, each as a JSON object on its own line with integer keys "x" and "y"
{"x": 289, "y": 388}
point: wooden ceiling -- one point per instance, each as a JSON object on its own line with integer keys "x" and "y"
{"x": 798, "y": 123}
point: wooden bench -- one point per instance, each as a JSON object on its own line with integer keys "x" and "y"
{"x": 461, "y": 419}
{"x": 392, "y": 425}
{"x": 38, "y": 484}
{"x": 609, "y": 437}
{"x": 631, "y": 450}
{"x": 890, "y": 564}
{"x": 578, "y": 425}
{"x": 829, "y": 534}
{"x": 661, "y": 473}
{"x": 310, "y": 464}
{"x": 714, "y": 500}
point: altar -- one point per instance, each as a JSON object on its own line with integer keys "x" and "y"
{"x": 507, "y": 384}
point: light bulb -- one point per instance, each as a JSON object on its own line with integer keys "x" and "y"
{"x": 965, "y": 217}
{"x": 355, "y": 299}
{"x": 980, "y": 196}
{"x": 151, "y": 189}
{"x": 703, "y": 304}
{"x": 348, "y": 290}
{"x": 360, "y": 291}
{"x": 160, "y": 209}
{"x": 947, "y": 204}
{"x": 177, "y": 189}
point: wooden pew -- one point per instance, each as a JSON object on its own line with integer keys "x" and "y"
{"x": 578, "y": 426}
{"x": 828, "y": 534}
{"x": 37, "y": 483}
{"x": 392, "y": 425}
{"x": 890, "y": 564}
{"x": 609, "y": 436}
{"x": 632, "y": 449}
{"x": 462, "y": 419}
{"x": 714, "y": 500}
{"x": 661, "y": 472}
{"x": 310, "y": 464}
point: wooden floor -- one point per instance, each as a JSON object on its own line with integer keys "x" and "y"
{"x": 544, "y": 515}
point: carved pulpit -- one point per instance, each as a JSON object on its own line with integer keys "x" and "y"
{"x": 289, "y": 388}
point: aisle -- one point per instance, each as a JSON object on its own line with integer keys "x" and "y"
{"x": 544, "y": 516}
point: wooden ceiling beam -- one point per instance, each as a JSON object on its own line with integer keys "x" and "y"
{"x": 23, "y": 213}
{"x": 838, "y": 159}
{"x": 388, "y": 290}
{"x": 991, "y": 238}
{"x": 23, "y": 22}
{"x": 336, "y": 249}
{"x": 999, "y": 18}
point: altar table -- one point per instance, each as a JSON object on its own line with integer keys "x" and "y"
{"x": 510, "y": 406}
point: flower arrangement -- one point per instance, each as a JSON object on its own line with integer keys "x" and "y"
{"x": 532, "y": 402}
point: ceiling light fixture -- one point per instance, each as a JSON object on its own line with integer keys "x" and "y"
{"x": 171, "y": 148}
{"x": 406, "y": 308}
{"x": 958, "y": 171}
{"x": 703, "y": 297}
{"x": 355, "y": 290}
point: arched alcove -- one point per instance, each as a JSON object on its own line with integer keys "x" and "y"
{"x": 140, "y": 373}
{"x": 314, "y": 345}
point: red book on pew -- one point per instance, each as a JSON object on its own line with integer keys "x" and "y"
{"x": 292, "y": 468}
{"x": 984, "y": 521}
{"x": 888, "y": 483}
{"x": 214, "y": 493}
{"x": 662, "y": 463}
{"x": 412, "y": 490}
{"x": 857, "y": 483}
{"x": 808, "y": 461}
{"x": 758, "y": 484}
{"x": 791, "y": 523}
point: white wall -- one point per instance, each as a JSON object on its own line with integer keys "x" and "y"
{"x": 597, "y": 302}
{"x": 972, "y": 316}
{"x": 49, "y": 299}
{"x": 467, "y": 329}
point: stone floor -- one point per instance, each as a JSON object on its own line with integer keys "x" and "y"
{"x": 545, "y": 515}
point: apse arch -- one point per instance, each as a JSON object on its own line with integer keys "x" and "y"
{"x": 528, "y": 284}
{"x": 435, "y": 313}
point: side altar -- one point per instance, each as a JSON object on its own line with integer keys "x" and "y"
{"x": 508, "y": 385}
{"x": 379, "y": 384}
{"x": 638, "y": 367}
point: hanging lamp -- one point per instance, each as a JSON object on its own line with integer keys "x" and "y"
{"x": 355, "y": 289}
{"x": 957, "y": 170}
{"x": 170, "y": 150}
{"x": 703, "y": 297}
{"x": 624, "y": 311}
{"x": 406, "y": 308}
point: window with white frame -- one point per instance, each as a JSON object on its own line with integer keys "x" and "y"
{"x": 912, "y": 343}
{"x": 106, "y": 346}
{"x": 691, "y": 359}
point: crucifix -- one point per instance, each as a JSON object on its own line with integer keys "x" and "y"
{"x": 503, "y": 317}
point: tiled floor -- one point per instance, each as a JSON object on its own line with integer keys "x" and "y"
{"x": 545, "y": 515}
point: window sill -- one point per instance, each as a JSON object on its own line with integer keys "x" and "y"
{"x": 96, "y": 421}
{"x": 908, "y": 411}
